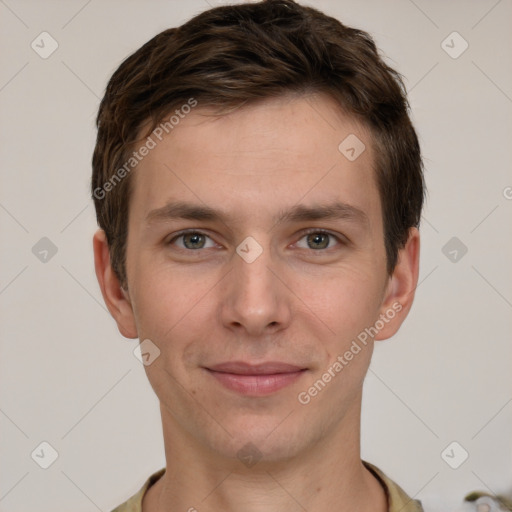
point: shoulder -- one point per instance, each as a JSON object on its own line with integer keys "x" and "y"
{"x": 397, "y": 498}
{"x": 134, "y": 504}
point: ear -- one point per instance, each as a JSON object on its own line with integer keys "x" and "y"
{"x": 116, "y": 298}
{"x": 401, "y": 287}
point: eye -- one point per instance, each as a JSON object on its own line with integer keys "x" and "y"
{"x": 192, "y": 240}
{"x": 318, "y": 239}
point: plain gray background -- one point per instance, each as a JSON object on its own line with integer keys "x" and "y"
{"x": 70, "y": 379}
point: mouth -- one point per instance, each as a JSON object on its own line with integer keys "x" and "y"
{"x": 255, "y": 380}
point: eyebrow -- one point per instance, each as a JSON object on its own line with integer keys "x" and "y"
{"x": 298, "y": 213}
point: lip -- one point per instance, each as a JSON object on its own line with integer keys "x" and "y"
{"x": 242, "y": 368}
{"x": 255, "y": 380}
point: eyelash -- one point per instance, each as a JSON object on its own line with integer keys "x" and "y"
{"x": 304, "y": 234}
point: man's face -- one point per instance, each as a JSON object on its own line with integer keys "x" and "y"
{"x": 225, "y": 321}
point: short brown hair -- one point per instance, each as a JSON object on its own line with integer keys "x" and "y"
{"x": 233, "y": 55}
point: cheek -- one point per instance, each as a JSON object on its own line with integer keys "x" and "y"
{"x": 172, "y": 313}
{"x": 169, "y": 301}
{"x": 346, "y": 300}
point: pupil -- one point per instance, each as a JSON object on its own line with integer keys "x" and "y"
{"x": 195, "y": 239}
{"x": 317, "y": 239}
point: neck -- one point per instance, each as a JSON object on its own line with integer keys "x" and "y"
{"x": 329, "y": 475}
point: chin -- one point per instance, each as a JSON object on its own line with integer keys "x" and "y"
{"x": 264, "y": 440}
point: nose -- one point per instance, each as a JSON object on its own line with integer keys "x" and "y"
{"x": 255, "y": 300}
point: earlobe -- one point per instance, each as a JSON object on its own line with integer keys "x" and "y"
{"x": 116, "y": 298}
{"x": 401, "y": 287}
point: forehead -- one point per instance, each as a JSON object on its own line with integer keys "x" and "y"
{"x": 259, "y": 158}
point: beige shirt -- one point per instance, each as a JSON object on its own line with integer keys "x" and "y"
{"x": 397, "y": 499}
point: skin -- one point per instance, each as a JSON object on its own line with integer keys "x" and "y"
{"x": 302, "y": 301}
